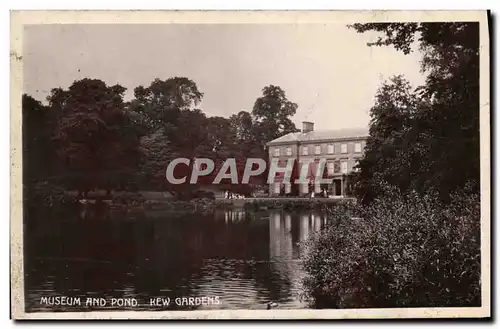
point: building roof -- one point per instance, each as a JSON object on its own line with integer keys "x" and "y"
{"x": 322, "y": 135}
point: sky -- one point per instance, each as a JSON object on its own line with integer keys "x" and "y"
{"x": 328, "y": 70}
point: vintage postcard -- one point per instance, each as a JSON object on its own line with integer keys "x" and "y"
{"x": 250, "y": 164}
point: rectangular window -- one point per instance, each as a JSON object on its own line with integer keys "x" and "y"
{"x": 277, "y": 152}
{"x": 336, "y": 167}
{"x": 277, "y": 188}
{"x": 343, "y": 148}
{"x": 304, "y": 188}
{"x": 343, "y": 167}
{"x": 330, "y": 149}
{"x": 356, "y": 164}
{"x": 288, "y": 151}
{"x": 317, "y": 149}
{"x": 357, "y": 147}
{"x": 288, "y": 188}
{"x": 331, "y": 168}
{"x": 305, "y": 150}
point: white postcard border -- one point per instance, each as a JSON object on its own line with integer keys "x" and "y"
{"x": 21, "y": 18}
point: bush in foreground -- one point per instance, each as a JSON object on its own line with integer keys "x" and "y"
{"x": 401, "y": 251}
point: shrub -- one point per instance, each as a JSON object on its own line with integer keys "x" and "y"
{"x": 401, "y": 251}
{"x": 293, "y": 204}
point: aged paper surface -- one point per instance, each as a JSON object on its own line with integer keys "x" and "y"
{"x": 21, "y": 20}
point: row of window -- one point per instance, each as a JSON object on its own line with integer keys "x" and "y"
{"x": 304, "y": 188}
{"x": 317, "y": 149}
{"x": 335, "y": 167}
{"x": 340, "y": 166}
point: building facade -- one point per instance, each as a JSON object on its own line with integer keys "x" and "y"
{"x": 342, "y": 149}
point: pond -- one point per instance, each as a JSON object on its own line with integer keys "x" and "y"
{"x": 232, "y": 259}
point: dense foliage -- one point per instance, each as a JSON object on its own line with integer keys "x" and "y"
{"x": 89, "y": 138}
{"x": 414, "y": 239}
{"x": 427, "y": 137}
{"x": 404, "y": 250}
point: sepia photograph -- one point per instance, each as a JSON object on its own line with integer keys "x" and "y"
{"x": 250, "y": 164}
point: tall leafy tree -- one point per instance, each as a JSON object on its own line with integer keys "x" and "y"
{"x": 160, "y": 104}
{"x": 221, "y": 137}
{"x": 40, "y": 165}
{"x": 38, "y": 124}
{"x": 165, "y": 115}
{"x": 246, "y": 131}
{"x": 191, "y": 133}
{"x": 156, "y": 155}
{"x": 242, "y": 124}
{"x": 393, "y": 153}
{"x": 446, "y": 122}
{"x": 94, "y": 137}
{"x": 272, "y": 114}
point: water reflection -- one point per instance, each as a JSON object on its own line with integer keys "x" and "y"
{"x": 245, "y": 258}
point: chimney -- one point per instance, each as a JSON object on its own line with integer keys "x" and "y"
{"x": 307, "y": 126}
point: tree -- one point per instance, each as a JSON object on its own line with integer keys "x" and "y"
{"x": 221, "y": 138}
{"x": 164, "y": 114}
{"x": 156, "y": 155}
{"x": 243, "y": 128}
{"x": 160, "y": 104}
{"x": 445, "y": 125}
{"x": 94, "y": 137}
{"x": 39, "y": 156}
{"x": 387, "y": 154}
{"x": 38, "y": 124}
{"x": 248, "y": 143}
{"x": 242, "y": 124}
{"x": 272, "y": 114}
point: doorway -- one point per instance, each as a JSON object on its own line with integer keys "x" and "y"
{"x": 337, "y": 187}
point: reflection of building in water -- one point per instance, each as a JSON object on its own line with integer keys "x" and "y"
{"x": 234, "y": 216}
{"x": 281, "y": 242}
{"x": 311, "y": 223}
{"x": 284, "y": 243}
{"x": 304, "y": 227}
{"x": 280, "y": 238}
{"x": 316, "y": 221}
{"x": 281, "y": 251}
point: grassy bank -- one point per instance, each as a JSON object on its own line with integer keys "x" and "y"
{"x": 258, "y": 204}
{"x": 47, "y": 198}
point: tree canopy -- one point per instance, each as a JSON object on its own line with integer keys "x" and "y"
{"x": 429, "y": 136}
{"x": 272, "y": 113}
{"x": 93, "y": 139}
